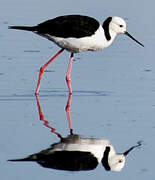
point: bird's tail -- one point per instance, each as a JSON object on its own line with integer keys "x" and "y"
{"x": 29, "y": 158}
{"x": 26, "y": 28}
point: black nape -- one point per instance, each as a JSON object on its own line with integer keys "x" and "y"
{"x": 106, "y": 28}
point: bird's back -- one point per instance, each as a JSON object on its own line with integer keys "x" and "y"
{"x": 76, "y": 26}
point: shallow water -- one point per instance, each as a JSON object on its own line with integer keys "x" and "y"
{"x": 113, "y": 90}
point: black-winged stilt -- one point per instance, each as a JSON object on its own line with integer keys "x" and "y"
{"x": 77, "y": 33}
{"x": 76, "y": 153}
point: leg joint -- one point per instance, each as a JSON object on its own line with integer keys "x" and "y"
{"x": 42, "y": 70}
{"x": 68, "y": 78}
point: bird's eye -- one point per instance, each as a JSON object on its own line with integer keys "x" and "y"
{"x": 120, "y": 161}
{"x": 120, "y": 25}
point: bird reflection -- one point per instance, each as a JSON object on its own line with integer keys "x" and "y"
{"x": 76, "y": 153}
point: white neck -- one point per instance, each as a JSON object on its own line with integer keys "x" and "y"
{"x": 112, "y": 35}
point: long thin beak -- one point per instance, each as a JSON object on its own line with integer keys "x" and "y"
{"x": 127, "y": 152}
{"x": 133, "y": 38}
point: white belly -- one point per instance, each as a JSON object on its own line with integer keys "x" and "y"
{"x": 95, "y": 146}
{"x": 76, "y": 45}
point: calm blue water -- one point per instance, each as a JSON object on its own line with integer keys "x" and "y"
{"x": 113, "y": 90}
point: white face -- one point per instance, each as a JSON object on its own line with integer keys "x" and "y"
{"x": 116, "y": 162}
{"x": 117, "y": 25}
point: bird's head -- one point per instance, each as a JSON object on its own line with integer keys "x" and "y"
{"x": 113, "y": 161}
{"x": 117, "y": 25}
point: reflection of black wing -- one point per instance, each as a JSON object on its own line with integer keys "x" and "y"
{"x": 69, "y": 160}
{"x": 64, "y": 160}
{"x": 68, "y": 26}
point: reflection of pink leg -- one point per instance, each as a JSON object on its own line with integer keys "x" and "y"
{"x": 42, "y": 69}
{"x": 68, "y": 106}
{"x": 42, "y": 118}
{"x": 68, "y": 76}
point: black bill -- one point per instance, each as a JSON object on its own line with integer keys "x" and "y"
{"x": 133, "y": 38}
{"x": 139, "y": 143}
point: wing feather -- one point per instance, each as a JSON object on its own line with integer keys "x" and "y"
{"x": 68, "y": 26}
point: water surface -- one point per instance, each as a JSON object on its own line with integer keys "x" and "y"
{"x": 113, "y": 90}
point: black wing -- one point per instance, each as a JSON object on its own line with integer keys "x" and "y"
{"x": 70, "y": 160}
{"x": 64, "y": 160}
{"x": 68, "y": 26}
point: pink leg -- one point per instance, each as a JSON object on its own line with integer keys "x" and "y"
{"x": 42, "y": 69}
{"x": 68, "y": 106}
{"x": 68, "y": 76}
{"x": 42, "y": 118}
